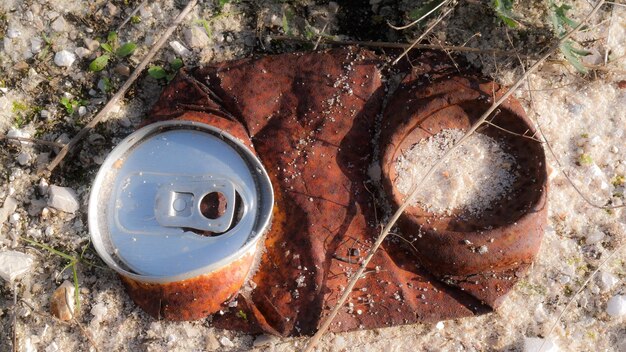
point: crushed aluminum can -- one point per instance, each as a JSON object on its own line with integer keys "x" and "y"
{"x": 179, "y": 209}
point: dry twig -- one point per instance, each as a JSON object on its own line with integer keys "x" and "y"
{"x": 417, "y": 186}
{"x": 33, "y": 140}
{"x": 122, "y": 91}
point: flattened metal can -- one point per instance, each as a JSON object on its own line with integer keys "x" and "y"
{"x": 179, "y": 209}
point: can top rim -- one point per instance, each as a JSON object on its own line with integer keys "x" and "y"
{"x": 161, "y": 248}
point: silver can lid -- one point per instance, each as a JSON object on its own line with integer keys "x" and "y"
{"x": 178, "y": 199}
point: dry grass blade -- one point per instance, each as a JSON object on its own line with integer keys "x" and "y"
{"x": 571, "y": 300}
{"x": 122, "y": 91}
{"x": 33, "y": 140}
{"x": 419, "y": 19}
{"x": 14, "y": 314}
{"x": 417, "y": 186}
{"x": 419, "y": 39}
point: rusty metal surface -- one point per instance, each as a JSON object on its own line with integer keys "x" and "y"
{"x": 193, "y": 298}
{"x": 312, "y": 120}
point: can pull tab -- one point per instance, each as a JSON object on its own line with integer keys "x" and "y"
{"x": 179, "y": 205}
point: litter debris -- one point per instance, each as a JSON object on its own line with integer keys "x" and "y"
{"x": 13, "y": 264}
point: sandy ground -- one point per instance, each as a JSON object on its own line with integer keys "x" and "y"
{"x": 583, "y": 117}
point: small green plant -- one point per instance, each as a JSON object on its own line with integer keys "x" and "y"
{"x": 135, "y": 19}
{"x": 72, "y": 262}
{"x": 46, "y": 49}
{"x": 288, "y": 16}
{"x": 158, "y": 72}
{"x": 585, "y": 160}
{"x": 242, "y": 315}
{"x": 618, "y": 180}
{"x": 71, "y": 105}
{"x": 112, "y": 49}
{"x": 560, "y": 24}
{"x": 22, "y": 115}
{"x": 503, "y": 9}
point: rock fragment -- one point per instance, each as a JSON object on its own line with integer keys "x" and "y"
{"x": 226, "y": 342}
{"x": 594, "y": 237}
{"x": 13, "y": 264}
{"x": 64, "y": 58}
{"x": 8, "y": 208}
{"x": 196, "y": 37}
{"x": 607, "y": 281}
{"x": 533, "y": 344}
{"x": 62, "y": 301}
{"x": 616, "y": 306}
{"x": 264, "y": 340}
{"x": 63, "y": 198}
{"x": 179, "y": 48}
{"x": 59, "y": 25}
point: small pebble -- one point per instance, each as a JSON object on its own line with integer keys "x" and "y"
{"x": 53, "y": 347}
{"x": 594, "y": 237}
{"x": 23, "y": 158}
{"x": 532, "y": 344}
{"x": 62, "y": 301}
{"x": 616, "y": 306}
{"x": 264, "y": 340}
{"x": 64, "y": 58}
{"x": 440, "y": 325}
{"x": 179, "y": 48}
{"x": 122, "y": 69}
{"x": 59, "y": 25}
{"x": 226, "y": 342}
{"x": 14, "y": 264}
{"x": 63, "y": 198}
{"x": 91, "y": 44}
{"x": 82, "y": 52}
{"x": 607, "y": 281}
{"x": 13, "y": 33}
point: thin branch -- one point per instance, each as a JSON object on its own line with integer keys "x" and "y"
{"x": 569, "y": 303}
{"x": 419, "y": 19}
{"x": 419, "y": 39}
{"x": 33, "y": 140}
{"x": 109, "y": 105}
{"x": 14, "y": 323}
{"x": 417, "y": 187}
{"x": 391, "y": 45}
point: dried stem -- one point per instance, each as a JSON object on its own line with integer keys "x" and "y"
{"x": 14, "y": 323}
{"x": 571, "y": 300}
{"x": 419, "y": 19}
{"x": 33, "y": 140}
{"x": 122, "y": 91}
{"x": 419, "y": 39}
{"x": 417, "y": 186}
